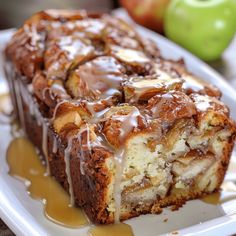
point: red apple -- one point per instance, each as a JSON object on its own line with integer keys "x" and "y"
{"x": 149, "y": 13}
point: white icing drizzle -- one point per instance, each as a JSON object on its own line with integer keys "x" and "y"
{"x": 192, "y": 83}
{"x": 55, "y": 147}
{"x": 92, "y": 26}
{"x": 50, "y": 93}
{"x": 158, "y": 107}
{"x": 34, "y": 36}
{"x": 101, "y": 76}
{"x": 130, "y": 55}
{"x": 30, "y": 88}
{"x": 67, "y": 169}
{"x": 82, "y": 156}
{"x": 22, "y": 92}
{"x": 161, "y": 81}
{"x": 32, "y": 108}
{"x": 119, "y": 158}
{"x": 129, "y": 122}
{"x": 32, "y": 105}
{"x": 203, "y": 102}
{"x": 45, "y": 145}
{"x": 96, "y": 116}
{"x": 28, "y": 99}
{"x": 19, "y": 102}
{"x": 88, "y": 139}
{"x": 38, "y": 116}
{"x": 74, "y": 47}
{"x": 56, "y": 108}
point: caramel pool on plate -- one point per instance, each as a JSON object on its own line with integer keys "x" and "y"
{"x": 25, "y": 164}
{"x": 228, "y": 193}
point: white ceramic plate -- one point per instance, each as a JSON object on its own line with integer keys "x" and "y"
{"x": 25, "y": 216}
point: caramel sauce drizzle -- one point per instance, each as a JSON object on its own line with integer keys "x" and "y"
{"x": 219, "y": 197}
{"x": 114, "y": 230}
{"x": 228, "y": 193}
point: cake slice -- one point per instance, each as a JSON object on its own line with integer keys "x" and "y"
{"x": 123, "y": 130}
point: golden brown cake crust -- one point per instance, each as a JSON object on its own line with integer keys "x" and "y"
{"x": 86, "y": 87}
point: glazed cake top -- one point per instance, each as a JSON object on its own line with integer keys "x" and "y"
{"x": 99, "y": 67}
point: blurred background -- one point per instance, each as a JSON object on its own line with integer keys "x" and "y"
{"x": 14, "y": 12}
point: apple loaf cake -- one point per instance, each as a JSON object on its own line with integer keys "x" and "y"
{"x": 123, "y": 130}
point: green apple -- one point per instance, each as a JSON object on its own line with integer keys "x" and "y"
{"x": 233, "y": 2}
{"x": 204, "y": 27}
